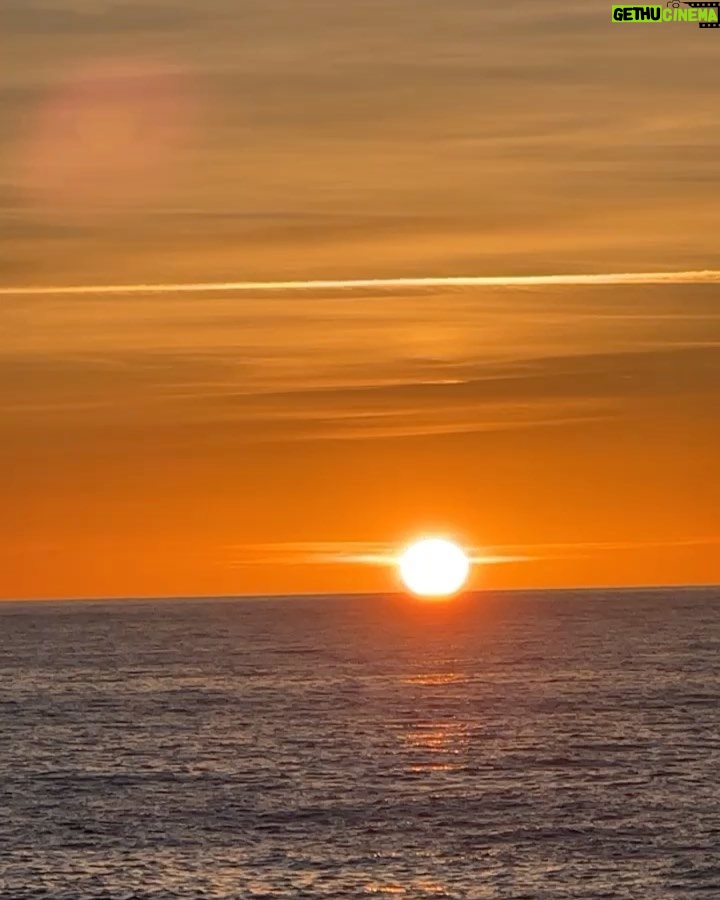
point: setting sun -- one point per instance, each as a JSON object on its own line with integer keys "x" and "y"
{"x": 434, "y": 567}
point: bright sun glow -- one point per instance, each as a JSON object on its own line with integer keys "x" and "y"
{"x": 434, "y": 567}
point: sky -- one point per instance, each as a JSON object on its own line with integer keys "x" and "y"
{"x": 220, "y": 437}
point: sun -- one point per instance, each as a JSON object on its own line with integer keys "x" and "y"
{"x": 434, "y": 567}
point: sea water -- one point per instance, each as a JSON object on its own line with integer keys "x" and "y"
{"x": 517, "y": 745}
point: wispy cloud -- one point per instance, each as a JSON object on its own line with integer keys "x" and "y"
{"x": 698, "y": 276}
{"x": 385, "y": 554}
{"x": 334, "y": 553}
{"x": 589, "y": 549}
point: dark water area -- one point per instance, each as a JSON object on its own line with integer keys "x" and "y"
{"x": 524, "y": 745}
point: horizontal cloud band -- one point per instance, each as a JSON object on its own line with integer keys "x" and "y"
{"x": 704, "y": 276}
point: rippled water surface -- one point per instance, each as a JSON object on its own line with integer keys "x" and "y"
{"x": 534, "y": 746}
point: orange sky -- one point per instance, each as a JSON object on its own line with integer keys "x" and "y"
{"x": 251, "y": 442}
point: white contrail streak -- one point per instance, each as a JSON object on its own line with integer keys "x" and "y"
{"x": 704, "y": 276}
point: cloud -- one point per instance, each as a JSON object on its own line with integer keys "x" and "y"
{"x": 543, "y": 133}
{"x": 386, "y": 554}
{"x": 589, "y": 549}
{"x": 704, "y": 276}
{"x": 338, "y": 553}
{"x": 50, "y": 18}
{"x": 280, "y": 394}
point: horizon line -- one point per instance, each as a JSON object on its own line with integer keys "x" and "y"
{"x": 325, "y": 595}
{"x": 691, "y": 276}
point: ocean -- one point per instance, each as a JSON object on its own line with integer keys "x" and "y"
{"x": 502, "y": 745}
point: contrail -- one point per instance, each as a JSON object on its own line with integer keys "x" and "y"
{"x": 703, "y": 276}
